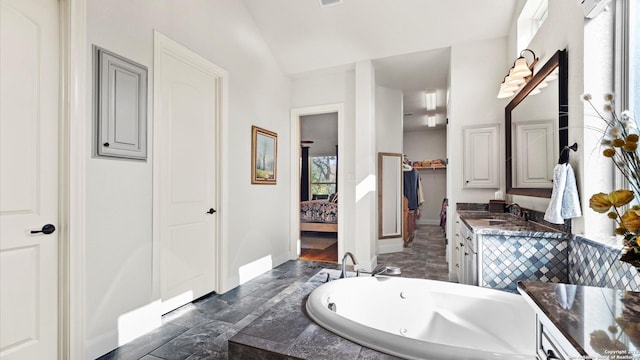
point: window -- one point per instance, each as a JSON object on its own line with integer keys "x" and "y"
{"x": 633, "y": 58}
{"x": 533, "y": 15}
{"x": 627, "y": 72}
{"x": 323, "y": 174}
{"x": 627, "y": 52}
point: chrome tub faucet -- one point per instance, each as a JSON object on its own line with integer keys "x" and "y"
{"x": 343, "y": 274}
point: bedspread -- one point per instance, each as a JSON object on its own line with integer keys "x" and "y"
{"x": 321, "y": 211}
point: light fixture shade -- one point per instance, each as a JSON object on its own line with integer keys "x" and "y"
{"x": 431, "y": 120}
{"x": 505, "y": 94}
{"x": 506, "y": 91}
{"x": 520, "y": 68}
{"x": 514, "y": 80}
{"x": 508, "y": 87}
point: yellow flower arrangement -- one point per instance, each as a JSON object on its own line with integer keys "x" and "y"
{"x": 620, "y": 142}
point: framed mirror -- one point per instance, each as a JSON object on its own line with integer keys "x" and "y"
{"x": 536, "y": 128}
{"x": 389, "y": 195}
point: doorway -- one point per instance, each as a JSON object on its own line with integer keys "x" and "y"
{"x": 188, "y": 99}
{"x": 30, "y": 257}
{"x": 320, "y": 129}
{"x": 319, "y": 187}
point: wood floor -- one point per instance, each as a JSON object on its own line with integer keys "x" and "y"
{"x": 329, "y": 254}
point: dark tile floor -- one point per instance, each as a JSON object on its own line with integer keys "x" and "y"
{"x": 201, "y": 330}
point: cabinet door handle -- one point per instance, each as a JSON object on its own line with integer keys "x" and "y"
{"x": 211, "y": 211}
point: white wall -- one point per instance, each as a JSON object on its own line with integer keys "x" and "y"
{"x": 119, "y": 276}
{"x": 389, "y": 119}
{"x": 322, "y": 129}
{"x": 429, "y": 145}
{"x": 476, "y": 72}
{"x": 365, "y": 166}
{"x": 331, "y": 87}
{"x": 590, "y": 63}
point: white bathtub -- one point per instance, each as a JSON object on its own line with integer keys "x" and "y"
{"x": 426, "y": 319}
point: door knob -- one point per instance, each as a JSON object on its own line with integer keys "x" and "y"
{"x": 211, "y": 211}
{"x": 46, "y": 229}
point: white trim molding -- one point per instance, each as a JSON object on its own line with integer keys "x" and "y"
{"x": 295, "y": 114}
{"x": 73, "y": 150}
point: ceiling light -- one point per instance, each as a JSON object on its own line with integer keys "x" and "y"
{"x": 431, "y": 120}
{"x": 430, "y": 98}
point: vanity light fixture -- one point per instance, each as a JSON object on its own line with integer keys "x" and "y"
{"x": 519, "y": 74}
{"x": 507, "y": 89}
{"x": 430, "y": 100}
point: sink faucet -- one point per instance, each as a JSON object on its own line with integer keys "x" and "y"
{"x": 517, "y": 211}
{"x": 343, "y": 274}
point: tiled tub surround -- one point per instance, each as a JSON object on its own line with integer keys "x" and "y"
{"x": 595, "y": 264}
{"x": 510, "y": 249}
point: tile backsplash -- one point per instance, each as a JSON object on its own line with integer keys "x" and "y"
{"x": 595, "y": 264}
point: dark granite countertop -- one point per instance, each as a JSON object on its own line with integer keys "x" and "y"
{"x": 484, "y": 222}
{"x": 600, "y": 323}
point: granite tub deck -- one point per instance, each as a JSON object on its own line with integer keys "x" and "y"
{"x": 285, "y": 331}
{"x": 598, "y": 323}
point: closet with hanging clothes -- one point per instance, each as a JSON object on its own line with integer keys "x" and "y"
{"x": 411, "y": 200}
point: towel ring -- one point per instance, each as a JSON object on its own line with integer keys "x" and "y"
{"x": 564, "y": 154}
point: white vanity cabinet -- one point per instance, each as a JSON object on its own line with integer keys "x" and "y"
{"x": 498, "y": 250}
{"x": 482, "y": 156}
{"x": 550, "y": 343}
{"x": 467, "y": 255}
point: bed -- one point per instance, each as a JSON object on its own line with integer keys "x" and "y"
{"x": 319, "y": 215}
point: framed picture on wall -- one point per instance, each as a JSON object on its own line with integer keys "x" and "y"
{"x": 264, "y": 156}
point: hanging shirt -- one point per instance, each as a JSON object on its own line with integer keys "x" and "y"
{"x": 411, "y": 187}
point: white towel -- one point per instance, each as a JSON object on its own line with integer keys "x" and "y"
{"x": 565, "y": 203}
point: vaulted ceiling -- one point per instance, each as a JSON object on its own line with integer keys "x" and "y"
{"x": 408, "y": 40}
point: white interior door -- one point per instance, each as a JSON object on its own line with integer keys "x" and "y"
{"x": 29, "y": 83}
{"x": 186, "y": 95}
